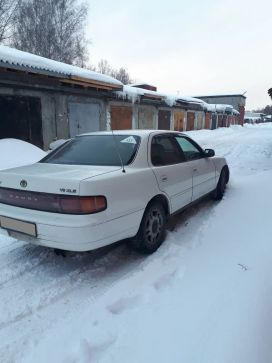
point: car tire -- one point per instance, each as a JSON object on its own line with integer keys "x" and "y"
{"x": 151, "y": 233}
{"x": 221, "y": 185}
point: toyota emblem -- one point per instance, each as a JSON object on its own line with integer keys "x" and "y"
{"x": 23, "y": 183}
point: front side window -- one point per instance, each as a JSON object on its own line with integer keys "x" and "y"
{"x": 190, "y": 150}
{"x": 165, "y": 151}
{"x": 102, "y": 150}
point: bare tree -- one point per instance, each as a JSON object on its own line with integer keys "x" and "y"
{"x": 122, "y": 75}
{"x": 8, "y": 9}
{"x": 104, "y": 67}
{"x": 52, "y": 28}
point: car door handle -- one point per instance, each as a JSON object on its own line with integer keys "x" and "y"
{"x": 164, "y": 178}
{"x": 194, "y": 170}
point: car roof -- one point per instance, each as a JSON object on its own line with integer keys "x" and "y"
{"x": 137, "y": 132}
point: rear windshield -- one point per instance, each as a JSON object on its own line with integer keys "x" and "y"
{"x": 96, "y": 150}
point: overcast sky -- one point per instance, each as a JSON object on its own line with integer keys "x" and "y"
{"x": 194, "y": 47}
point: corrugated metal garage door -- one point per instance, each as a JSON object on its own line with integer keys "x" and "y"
{"x": 190, "y": 125}
{"x": 164, "y": 120}
{"x": 146, "y": 118}
{"x": 83, "y": 117}
{"x": 121, "y": 117}
{"x": 179, "y": 117}
{"x": 21, "y": 119}
{"x": 199, "y": 120}
{"x": 208, "y": 117}
{"x": 225, "y": 117}
{"x": 214, "y": 121}
{"x": 220, "y": 121}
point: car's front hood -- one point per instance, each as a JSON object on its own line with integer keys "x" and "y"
{"x": 51, "y": 178}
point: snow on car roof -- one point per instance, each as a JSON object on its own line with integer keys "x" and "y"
{"x": 17, "y": 59}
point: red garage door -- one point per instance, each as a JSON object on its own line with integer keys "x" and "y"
{"x": 121, "y": 117}
{"x": 164, "y": 120}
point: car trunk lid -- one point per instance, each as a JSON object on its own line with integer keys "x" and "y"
{"x": 51, "y": 178}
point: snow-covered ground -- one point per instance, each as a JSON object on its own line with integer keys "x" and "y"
{"x": 204, "y": 297}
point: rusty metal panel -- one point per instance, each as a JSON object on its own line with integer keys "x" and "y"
{"x": 230, "y": 120}
{"x": 208, "y": 118}
{"x": 190, "y": 125}
{"x": 225, "y": 117}
{"x": 164, "y": 120}
{"x": 179, "y": 118}
{"x": 146, "y": 118}
{"x": 121, "y": 117}
{"x": 220, "y": 121}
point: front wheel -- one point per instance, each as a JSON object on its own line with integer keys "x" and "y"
{"x": 221, "y": 185}
{"x": 151, "y": 233}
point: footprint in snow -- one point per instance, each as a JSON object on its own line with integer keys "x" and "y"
{"x": 123, "y": 304}
{"x": 166, "y": 279}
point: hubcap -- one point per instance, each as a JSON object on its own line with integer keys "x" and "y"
{"x": 153, "y": 226}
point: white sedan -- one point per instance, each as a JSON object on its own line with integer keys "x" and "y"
{"x": 103, "y": 187}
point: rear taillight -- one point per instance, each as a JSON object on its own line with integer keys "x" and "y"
{"x": 83, "y": 205}
{"x": 55, "y": 203}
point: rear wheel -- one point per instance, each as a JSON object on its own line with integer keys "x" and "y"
{"x": 221, "y": 185}
{"x": 151, "y": 233}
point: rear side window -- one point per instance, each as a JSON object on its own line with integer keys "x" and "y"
{"x": 96, "y": 150}
{"x": 165, "y": 151}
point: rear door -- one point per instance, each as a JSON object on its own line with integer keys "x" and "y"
{"x": 203, "y": 168}
{"x": 173, "y": 174}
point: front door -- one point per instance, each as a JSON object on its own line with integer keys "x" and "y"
{"x": 173, "y": 174}
{"x": 203, "y": 167}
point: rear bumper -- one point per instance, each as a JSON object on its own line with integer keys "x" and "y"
{"x": 73, "y": 233}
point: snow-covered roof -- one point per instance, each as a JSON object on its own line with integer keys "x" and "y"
{"x": 134, "y": 94}
{"x": 220, "y": 108}
{"x": 13, "y": 58}
{"x": 142, "y": 83}
{"x": 222, "y": 95}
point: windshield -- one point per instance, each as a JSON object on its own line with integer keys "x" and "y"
{"x": 96, "y": 150}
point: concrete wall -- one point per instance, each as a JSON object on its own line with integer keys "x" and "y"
{"x": 235, "y": 101}
{"x": 54, "y": 111}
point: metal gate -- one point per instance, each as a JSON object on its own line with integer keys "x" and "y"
{"x": 190, "y": 121}
{"x": 164, "y": 120}
{"x": 21, "y": 119}
{"x": 179, "y": 117}
{"x": 121, "y": 117}
{"x": 214, "y": 121}
{"x": 146, "y": 118}
{"x": 83, "y": 117}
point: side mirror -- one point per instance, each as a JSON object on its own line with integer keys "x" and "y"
{"x": 209, "y": 153}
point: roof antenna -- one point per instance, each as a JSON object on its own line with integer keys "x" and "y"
{"x": 116, "y": 144}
